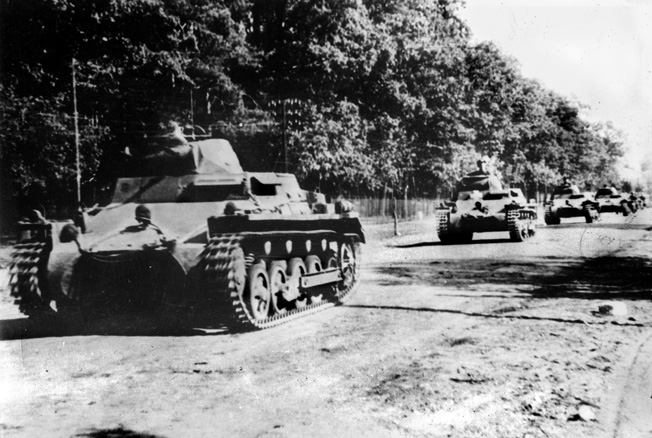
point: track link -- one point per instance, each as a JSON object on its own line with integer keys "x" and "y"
{"x": 26, "y": 261}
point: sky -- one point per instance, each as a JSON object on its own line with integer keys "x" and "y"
{"x": 596, "y": 52}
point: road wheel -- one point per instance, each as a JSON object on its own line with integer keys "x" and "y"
{"x": 257, "y": 294}
{"x": 330, "y": 260}
{"x": 313, "y": 264}
{"x": 296, "y": 269}
{"x": 278, "y": 286}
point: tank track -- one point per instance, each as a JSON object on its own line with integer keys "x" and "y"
{"x": 627, "y": 208}
{"x": 225, "y": 269}
{"x": 591, "y": 214}
{"x": 518, "y": 226}
{"x": 550, "y": 218}
{"x": 442, "y": 228}
{"x": 24, "y": 275}
{"x": 446, "y": 236}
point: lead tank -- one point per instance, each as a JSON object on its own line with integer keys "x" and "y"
{"x": 189, "y": 229}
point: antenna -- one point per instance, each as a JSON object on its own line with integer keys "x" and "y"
{"x": 192, "y": 114}
{"x": 285, "y": 135}
{"x": 74, "y": 103}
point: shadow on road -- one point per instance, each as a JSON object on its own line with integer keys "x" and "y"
{"x": 438, "y": 243}
{"x": 116, "y": 325}
{"x": 601, "y": 278}
{"x": 611, "y": 225}
{"x": 498, "y": 315}
{"x": 598, "y": 278}
{"x": 118, "y": 432}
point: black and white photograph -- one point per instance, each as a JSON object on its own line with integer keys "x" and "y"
{"x": 325, "y": 218}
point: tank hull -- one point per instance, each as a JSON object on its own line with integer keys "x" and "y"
{"x": 567, "y": 207}
{"x": 184, "y": 277}
{"x": 492, "y": 211}
{"x": 252, "y": 248}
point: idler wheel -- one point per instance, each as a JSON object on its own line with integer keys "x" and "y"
{"x": 349, "y": 269}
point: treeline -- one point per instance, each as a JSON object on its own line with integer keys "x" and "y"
{"x": 353, "y": 96}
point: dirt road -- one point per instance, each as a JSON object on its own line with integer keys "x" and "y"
{"x": 491, "y": 339}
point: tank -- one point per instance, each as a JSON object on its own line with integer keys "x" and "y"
{"x": 639, "y": 200}
{"x": 482, "y": 205}
{"x": 611, "y": 200}
{"x": 187, "y": 229}
{"x": 567, "y": 201}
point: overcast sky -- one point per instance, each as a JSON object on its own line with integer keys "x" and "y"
{"x": 598, "y": 52}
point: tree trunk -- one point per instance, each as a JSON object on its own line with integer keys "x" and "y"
{"x": 383, "y": 202}
{"x": 396, "y": 232}
{"x": 406, "y": 212}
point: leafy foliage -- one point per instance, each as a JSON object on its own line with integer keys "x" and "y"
{"x": 39, "y": 150}
{"x": 363, "y": 94}
{"x": 331, "y": 149}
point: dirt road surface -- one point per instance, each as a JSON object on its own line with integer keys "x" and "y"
{"x": 489, "y": 339}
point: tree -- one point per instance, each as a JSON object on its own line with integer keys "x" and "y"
{"x": 331, "y": 150}
{"x": 38, "y": 152}
{"x": 130, "y": 77}
{"x": 385, "y": 93}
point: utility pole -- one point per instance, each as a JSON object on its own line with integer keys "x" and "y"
{"x": 74, "y": 103}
